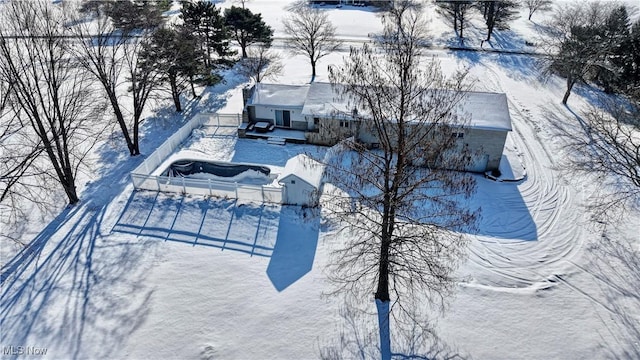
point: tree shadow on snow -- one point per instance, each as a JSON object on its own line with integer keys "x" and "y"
{"x": 520, "y": 67}
{"x": 201, "y": 221}
{"x": 62, "y": 298}
{"x": 357, "y": 338}
{"x": 615, "y": 266}
{"x": 286, "y": 234}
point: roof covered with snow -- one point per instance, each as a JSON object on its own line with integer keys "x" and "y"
{"x": 324, "y": 99}
{"x": 305, "y": 168}
{"x": 279, "y": 95}
{"x": 488, "y": 111}
{"x": 485, "y": 110}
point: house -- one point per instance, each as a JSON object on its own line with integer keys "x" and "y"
{"x": 326, "y": 118}
{"x": 301, "y": 178}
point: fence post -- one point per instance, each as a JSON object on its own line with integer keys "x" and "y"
{"x": 236, "y": 184}
{"x": 158, "y": 182}
{"x": 184, "y": 187}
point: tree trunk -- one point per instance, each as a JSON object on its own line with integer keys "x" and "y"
{"x": 136, "y": 127}
{"x": 70, "y": 190}
{"x": 175, "y": 94}
{"x": 313, "y": 70}
{"x": 491, "y": 20}
{"x": 120, "y": 119}
{"x": 570, "y": 83}
{"x": 193, "y": 88}
{"x": 382, "y": 293}
{"x": 455, "y": 21}
{"x": 489, "y": 32}
{"x": 244, "y": 50}
{"x": 207, "y": 61}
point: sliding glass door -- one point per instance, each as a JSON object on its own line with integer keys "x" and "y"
{"x": 283, "y": 118}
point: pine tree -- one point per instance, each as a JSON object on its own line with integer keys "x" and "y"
{"x": 205, "y": 21}
{"x": 130, "y": 15}
{"x": 175, "y": 55}
{"x": 579, "y": 55}
{"x": 632, "y": 69}
{"x": 498, "y": 13}
{"x": 247, "y": 28}
{"x": 614, "y": 34}
{"x": 456, "y": 12}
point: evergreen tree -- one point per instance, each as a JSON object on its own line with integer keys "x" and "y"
{"x": 94, "y": 7}
{"x": 580, "y": 54}
{"x": 247, "y": 28}
{"x": 130, "y": 15}
{"x": 205, "y": 21}
{"x": 498, "y": 13}
{"x": 457, "y": 12}
{"x": 614, "y": 34}
{"x": 175, "y": 55}
{"x": 631, "y": 71}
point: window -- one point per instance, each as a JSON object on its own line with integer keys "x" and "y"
{"x": 316, "y": 121}
{"x": 344, "y": 123}
{"x": 459, "y": 135}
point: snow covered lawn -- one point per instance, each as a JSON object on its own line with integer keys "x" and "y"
{"x": 164, "y": 276}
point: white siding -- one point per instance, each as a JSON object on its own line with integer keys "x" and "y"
{"x": 299, "y": 192}
{"x": 269, "y": 113}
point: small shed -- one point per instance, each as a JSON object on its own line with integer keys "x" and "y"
{"x": 302, "y": 178}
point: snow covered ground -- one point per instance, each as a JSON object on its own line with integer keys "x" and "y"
{"x": 145, "y": 275}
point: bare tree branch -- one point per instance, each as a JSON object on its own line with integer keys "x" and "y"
{"x": 398, "y": 205}
{"x": 311, "y": 33}
{"x": 53, "y": 100}
{"x": 261, "y": 64}
{"x": 606, "y": 143}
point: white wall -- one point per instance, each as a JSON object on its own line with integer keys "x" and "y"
{"x": 269, "y": 112}
{"x": 299, "y": 192}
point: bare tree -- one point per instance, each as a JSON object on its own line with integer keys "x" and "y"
{"x": 53, "y": 100}
{"x": 605, "y": 142}
{"x": 261, "y": 64}
{"x": 142, "y": 81}
{"x": 311, "y": 33}
{"x": 111, "y": 56}
{"x": 537, "y": 5}
{"x": 19, "y": 168}
{"x": 398, "y": 203}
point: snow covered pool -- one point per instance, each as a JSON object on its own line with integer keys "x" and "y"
{"x": 240, "y": 173}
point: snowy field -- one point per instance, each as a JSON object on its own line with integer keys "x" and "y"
{"x": 146, "y": 275}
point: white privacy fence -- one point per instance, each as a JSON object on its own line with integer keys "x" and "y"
{"x": 142, "y": 178}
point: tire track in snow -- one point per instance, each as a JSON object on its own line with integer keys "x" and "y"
{"x": 500, "y": 259}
